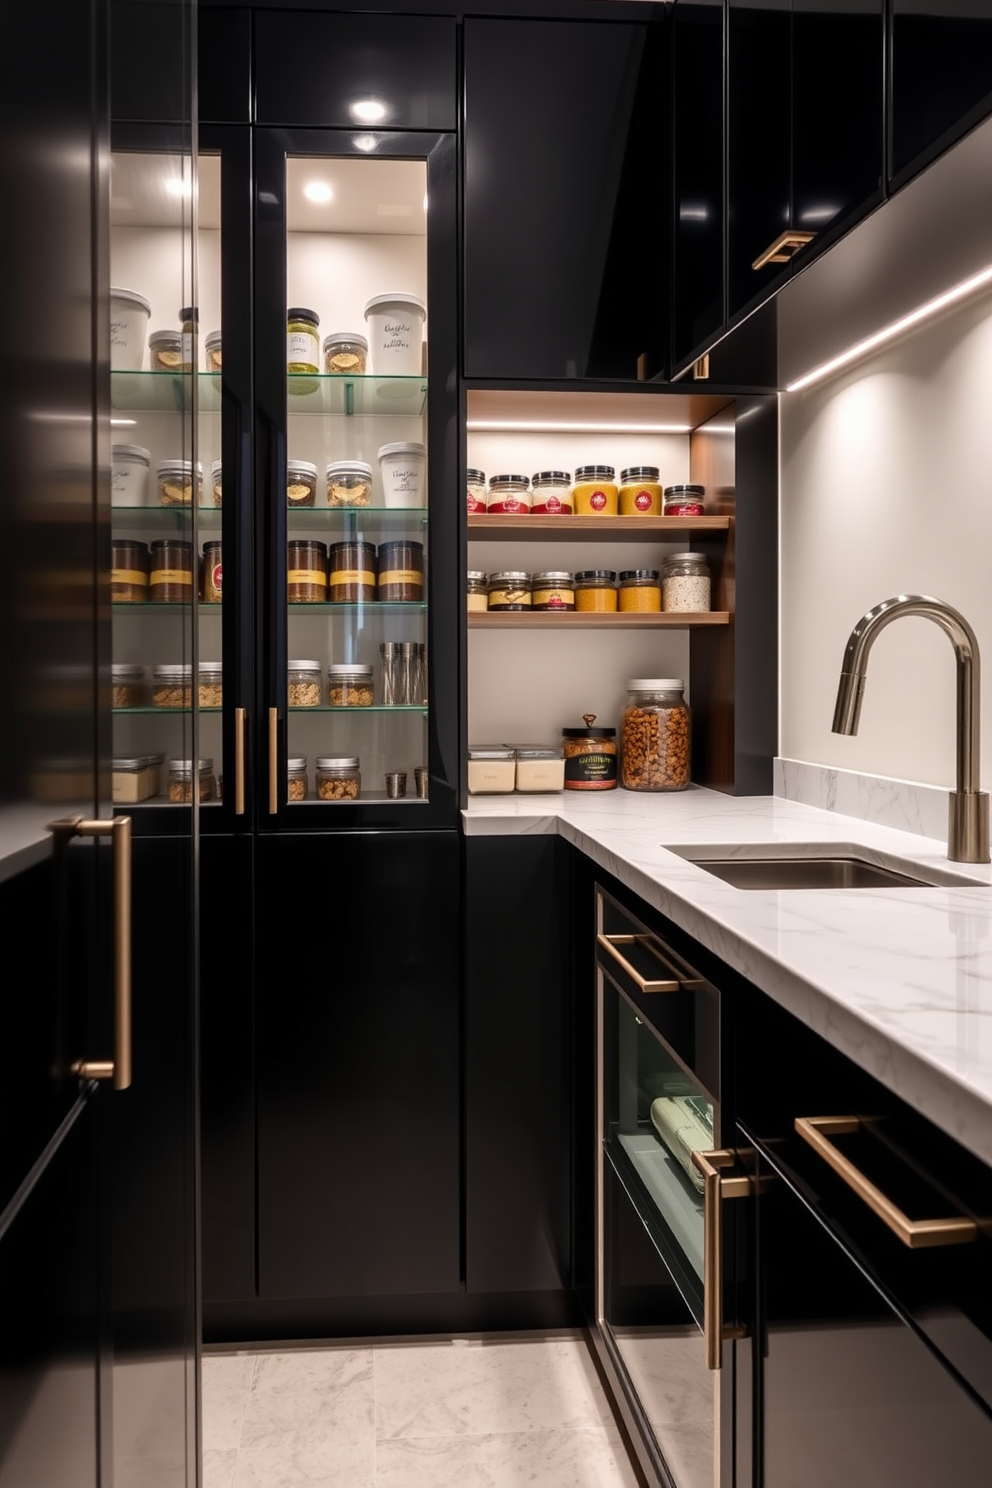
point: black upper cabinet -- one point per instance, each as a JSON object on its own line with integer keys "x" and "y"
{"x": 941, "y": 77}
{"x": 565, "y": 200}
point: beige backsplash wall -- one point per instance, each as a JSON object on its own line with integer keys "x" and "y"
{"x": 886, "y": 488}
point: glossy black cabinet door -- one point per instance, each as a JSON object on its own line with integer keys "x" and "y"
{"x": 565, "y": 198}
{"x": 358, "y": 1043}
{"x": 941, "y": 77}
{"x": 698, "y": 310}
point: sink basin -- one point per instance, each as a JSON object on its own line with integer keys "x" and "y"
{"x": 780, "y": 866}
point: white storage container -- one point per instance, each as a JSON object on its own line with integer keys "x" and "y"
{"x": 130, "y": 313}
{"x": 539, "y": 767}
{"x": 129, "y": 466}
{"x": 403, "y": 468}
{"x": 396, "y": 334}
{"x": 491, "y": 770}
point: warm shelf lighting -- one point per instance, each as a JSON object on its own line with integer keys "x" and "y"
{"x": 550, "y": 426}
{"x": 318, "y": 192}
{"x": 176, "y": 186}
{"x": 896, "y": 328}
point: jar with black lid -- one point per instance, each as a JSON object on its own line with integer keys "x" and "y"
{"x": 596, "y": 590}
{"x": 129, "y": 571}
{"x": 590, "y": 756}
{"x": 684, "y": 501}
{"x": 551, "y": 493}
{"x": 509, "y": 590}
{"x": 351, "y": 572}
{"x": 509, "y": 495}
{"x": 401, "y": 572}
{"x": 171, "y": 578}
{"x": 211, "y": 573}
{"x": 302, "y": 340}
{"x": 640, "y": 590}
{"x": 594, "y": 491}
{"x": 640, "y": 491}
{"x": 476, "y": 490}
{"x": 306, "y": 571}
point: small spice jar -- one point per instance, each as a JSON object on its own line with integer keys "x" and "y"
{"x": 211, "y": 573}
{"x": 552, "y": 590}
{"x": 685, "y": 583}
{"x": 129, "y": 571}
{"x": 127, "y": 685}
{"x": 640, "y": 492}
{"x": 302, "y": 340}
{"x": 476, "y": 486}
{"x": 210, "y": 684}
{"x": 491, "y": 770}
{"x": 551, "y": 494}
{"x": 349, "y": 685}
{"x": 594, "y": 492}
{"x": 401, "y": 572}
{"x": 640, "y": 591}
{"x": 477, "y": 591}
{"x": 590, "y": 756}
{"x": 296, "y": 778}
{"x": 338, "y": 779}
{"x": 177, "y": 482}
{"x": 509, "y": 495}
{"x": 684, "y": 501}
{"x": 304, "y": 688}
{"x": 345, "y": 351}
{"x": 172, "y": 686}
{"x": 509, "y": 590}
{"x": 596, "y": 590}
{"x": 171, "y": 577}
{"x": 213, "y": 351}
{"x": 216, "y": 483}
{"x": 306, "y": 574}
{"x": 301, "y": 483}
{"x": 655, "y": 735}
{"x": 349, "y": 483}
{"x": 351, "y": 572}
{"x": 181, "y": 780}
{"x": 165, "y": 351}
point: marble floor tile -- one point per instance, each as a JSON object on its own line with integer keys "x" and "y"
{"x": 226, "y": 1379}
{"x": 689, "y": 1450}
{"x": 670, "y": 1375}
{"x": 310, "y": 1419}
{"x": 549, "y": 1459}
{"x": 288, "y": 1465}
{"x": 218, "y": 1465}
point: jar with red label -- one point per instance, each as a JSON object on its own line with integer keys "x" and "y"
{"x": 551, "y": 493}
{"x": 684, "y": 501}
{"x": 594, "y": 493}
{"x": 552, "y": 590}
{"x": 476, "y": 483}
{"x": 509, "y": 494}
{"x": 640, "y": 491}
{"x": 211, "y": 574}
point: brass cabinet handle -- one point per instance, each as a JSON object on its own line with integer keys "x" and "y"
{"x": 240, "y": 717}
{"x": 784, "y": 247}
{"x": 716, "y": 1187}
{"x": 118, "y": 829}
{"x": 609, "y": 943}
{"x": 916, "y": 1233}
{"x": 273, "y": 761}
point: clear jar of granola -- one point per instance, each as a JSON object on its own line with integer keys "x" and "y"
{"x": 179, "y": 483}
{"x": 338, "y": 779}
{"x": 181, "y": 780}
{"x": 349, "y": 685}
{"x": 296, "y": 778}
{"x": 301, "y": 483}
{"x": 128, "y": 688}
{"x": 304, "y": 684}
{"x": 216, "y": 483}
{"x": 349, "y": 483}
{"x": 172, "y": 685}
{"x": 345, "y": 351}
{"x": 210, "y": 684}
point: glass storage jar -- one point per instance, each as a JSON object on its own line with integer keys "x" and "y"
{"x": 304, "y": 688}
{"x": 491, "y": 770}
{"x": 655, "y": 736}
{"x": 509, "y": 590}
{"x": 130, "y": 563}
{"x": 216, "y": 483}
{"x": 345, "y": 351}
{"x": 596, "y": 590}
{"x": 172, "y": 685}
{"x": 551, "y": 493}
{"x": 509, "y": 495}
{"x": 302, "y": 340}
{"x": 306, "y": 575}
{"x": 181, "y": 780}
{"x": 684, "y": 501}
{"x": 127, "y": 685}
{"x": 351, "y": 572}
{"x": 590, "y": 756}
{"x": 171, "y": 576}
{"x": 212, "y": 573}
{"x": 210, "y": 684}
{"x": 338, "y": 779}
{"x": 177, "y": 482}
{"x": 165, "y": 351}
{"x": 476, "y": 484}
{"x": 477, "y": 591}
{"x": 552, "y": 589}
{"x": 594, "y": 492}
{"x": 640, "y": 492}
{"x": 349, "y": 483}
{"x": 296, "y": 777}
{"x": 639, "y": 590}
{"x": 401, "y": 572}
{"x": 301, "y": 483}
{"x": 349, "y": 685}
{"x": 685, "y": 583}
{"x": 539, "y": 767}
{"x": 213, "y": 351}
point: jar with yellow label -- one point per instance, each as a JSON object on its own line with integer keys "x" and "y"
{"x": 594, "y": 493}
{"x": 129, "y": 563}
{"x": 596, "y": 590}
{"x": 171, "y": 577}
{"x": 477, "y": 591}
{"x": 553, "y": 590}
{"x": 510, "y": 590}
{"x": 351, "y": 572}
{"x": 640, "y": 591}
{"x": 640, "y": 491}
{"x": 401, "y": 572}
{"x": 306, "y": 571}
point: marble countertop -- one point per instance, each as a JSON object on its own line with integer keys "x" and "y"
{"x": 898, "y": 979}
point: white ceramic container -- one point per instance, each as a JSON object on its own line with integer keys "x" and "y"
{"x": 403, "y": 471}
{"x": 129, "y": 466}
{"x": 130, "y": 313}
{"x": 396, "y": 334}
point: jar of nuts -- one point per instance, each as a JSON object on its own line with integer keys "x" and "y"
{"x": 172, "y": 686}
{"x": 296, "y": 778}
{"x": 210, "y": 684}
{"x": 338, "y": 779}
{"x": 655, "y": 735}
{"x": 128, "y": 688}
{"x": 304, "y": 684}
{"x": 349, "y": 685}
{"x": 181, "y": 780}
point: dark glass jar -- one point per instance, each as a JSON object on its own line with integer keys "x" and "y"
{"x": 351, "y": 572}
{"x": 171, "y": 578}
{"x": 306, "y": 573}
{"x": 590, "y": 756}
{"x": 401, "y": 572}
{"x": 129, "y": 571}
{"x": 211, "y": 573}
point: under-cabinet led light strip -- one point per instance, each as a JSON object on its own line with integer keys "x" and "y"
{"x": 548, "y": 426}
{"x": 897, "y": 327}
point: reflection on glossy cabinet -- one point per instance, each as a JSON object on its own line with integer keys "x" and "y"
{"x": 941, "y": 77}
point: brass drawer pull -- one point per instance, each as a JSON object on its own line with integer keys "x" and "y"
{"x": 610, "y": 942}
{"x": 240, "y": 716}
{"x": 785, "y": 246}
{"x": 916, "y": 1233}
{"x": 273, "y": 761}
{"x": 716, "y": 1188}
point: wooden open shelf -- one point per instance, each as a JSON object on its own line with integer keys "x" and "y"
{"x": 484, "y": 528}
{"x": 574, "y": 620}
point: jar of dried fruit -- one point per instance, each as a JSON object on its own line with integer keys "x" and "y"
{"x": 655, "y": 735}
{"x": 338, "y": 779}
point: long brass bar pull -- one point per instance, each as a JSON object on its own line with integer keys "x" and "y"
{"x": 716, "y": 1188}
{"x": 273, "y": 761}
{"x": 609, "y": 944}
{"x": 915, "y": 1233}
{"x": 240, "y": 717}
{"x": 785, "y": 246}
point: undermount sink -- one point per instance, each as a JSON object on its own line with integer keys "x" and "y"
{"x": 784, "y": 866}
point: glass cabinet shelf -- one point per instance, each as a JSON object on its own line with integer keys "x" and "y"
{"x": 143, "y": 605}
{"x": 344, "y": 396}
{"x": 164, "y": 392}
{"x": 162, "y": 712}
{"x": 350, "y": 518}
{"x": 358, "y": 711}
{"x": 166, "y": 518}
{"x": 373, "y": 606}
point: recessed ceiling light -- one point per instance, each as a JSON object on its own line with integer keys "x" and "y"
{"x": 318, "y": 191}
{"x": 368, "y": 110}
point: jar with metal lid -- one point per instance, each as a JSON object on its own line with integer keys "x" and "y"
{"x": 551, "y": 493}
{"x": 351, "y": 572}
{"x": 491, "y": 770}
{"x": 349, "y": 685}
{"x": 338, "y": 779}
{"x": 477, "y": 591}
{"x": 509, "y": 495}
{"x": 655, "y": 735}
{"x": 401, "y": 572}
{"x": 127, "y": 685}
{"x": 509, "y": 590}
{"x": 552, "y": 589}
{"x": 476, "y": 485}
{"x": 296, "y": 777}
{"x": 349, "y": 483}
{"x": 306, "y": 574}
{"x": 171, "y": 577}
{"x": 181, "y": 780}
{"x": 190, "y": 318}
{"x": 304, "y": 684}
{"x": 684, "y": 501}
{"x": 213, "y": 351}
{"x": 178, "y": 481}
{"x": 640, "y": 492}
{"x": 130, "y": 564}
{"x": 301, "y": 483}
{"x": 136, "y": 778}
{"x": 685, "y": 583}
{"x": 172, "y": 685}
{"x": 345, "y": 351}
{"x": 539, "y": 767}
{"x": 596, "y": 590}
{"x": 302, "y": 340}
{"x": 590, "y": 756}
{"x": 210, "y": 684}
{"x": 212, "y": 573}
{"x": 165, "y": 351}
{"x": 640, "y": 591}
{"x": 216, "y": 483}
{"x": 594, "y": 491}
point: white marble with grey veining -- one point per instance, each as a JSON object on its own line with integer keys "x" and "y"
{"x": 899, "y": 980}
{"x": 876, "y": 798}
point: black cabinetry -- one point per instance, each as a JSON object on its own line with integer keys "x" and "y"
{"x": 941, "y": 59}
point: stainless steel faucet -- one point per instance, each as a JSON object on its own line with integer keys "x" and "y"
{"x": 967, "y": 806}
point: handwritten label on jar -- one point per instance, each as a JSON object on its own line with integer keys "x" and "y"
{"x": 302, "y": 347}
{"x": 398, "y": 335}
